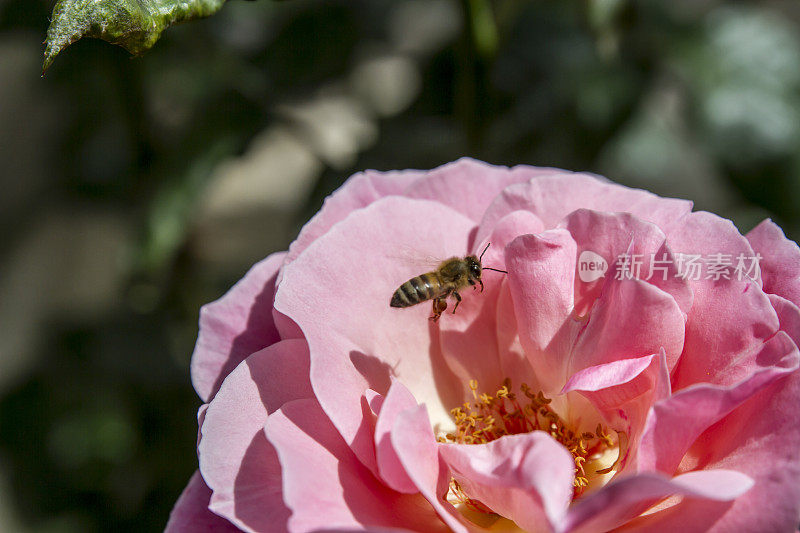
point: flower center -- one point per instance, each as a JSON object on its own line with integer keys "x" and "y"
{"x": 489, "y": 417}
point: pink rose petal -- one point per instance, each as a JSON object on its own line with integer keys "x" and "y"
{"x": 375, "y": 401}
{"x": 625, "y": 499}
{"x": 469, "y": 339}
{"x": 359, "y": 191}
{"x": 201, "y": 417}
{"x": 526, "y": 478}
{"x": 326, "y": 486}
{"x": 541, "y": 270}
{"x": 235, "y": 326}
{"x": 615, "y": 236}
{"x": 552, "y": 196}
{"x": 623, "y": 392}
{"x": 631, "y": 318}
{"x": 707, "y": 235}
{"x": 780, "y": 263}
{"x": 191, "y": 511}
{"x": 398, "y": 399}
{"x": 729, "y": 321}
{"x": 788, "y": 316}
{"x": 513, "y": 361}
{"x": 506, "y": 230}
{"x": 759, "y": 439}
{"x": 418, "y": 452}
{"x": 469, "y": 186}
{"x": 675, "y": 423}
{"x": 596, "y": 378}
{"x": 729, "y": 317}
{"x": 235, "y": 458}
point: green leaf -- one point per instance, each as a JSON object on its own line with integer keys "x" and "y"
{"x": 135, "y": 25}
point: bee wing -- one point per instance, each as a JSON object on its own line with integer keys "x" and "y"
{"x": 414, "y": 258}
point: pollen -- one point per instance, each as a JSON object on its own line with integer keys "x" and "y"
{"x": 489, "y": 417}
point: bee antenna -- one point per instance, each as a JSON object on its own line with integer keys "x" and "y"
{"x": 484, "y": 251}
{"x": 495, "y": 269}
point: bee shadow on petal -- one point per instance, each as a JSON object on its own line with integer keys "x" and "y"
{"x": 377, "y": 373}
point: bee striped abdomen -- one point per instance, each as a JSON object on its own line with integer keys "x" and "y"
{"x": 416, "y": 290}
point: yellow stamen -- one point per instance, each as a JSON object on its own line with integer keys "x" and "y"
{"x": 490, "y": 417}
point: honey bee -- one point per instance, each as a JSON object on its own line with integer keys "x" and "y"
{"x": 452, "y": 275}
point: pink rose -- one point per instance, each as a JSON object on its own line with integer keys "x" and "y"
{"x": 635, "y": 369}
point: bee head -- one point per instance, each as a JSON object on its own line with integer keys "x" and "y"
{"x": 473, "y": 267}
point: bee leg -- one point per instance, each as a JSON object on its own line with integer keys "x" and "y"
{"x": 481, "y": 282}
{"x": 458, "y": 300}
{"x": 439, "y": 305}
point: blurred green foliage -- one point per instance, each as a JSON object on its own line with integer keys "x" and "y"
{"x": 115, "y": 168}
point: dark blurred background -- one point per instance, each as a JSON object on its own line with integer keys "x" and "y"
{"x": 132, "y": 191}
